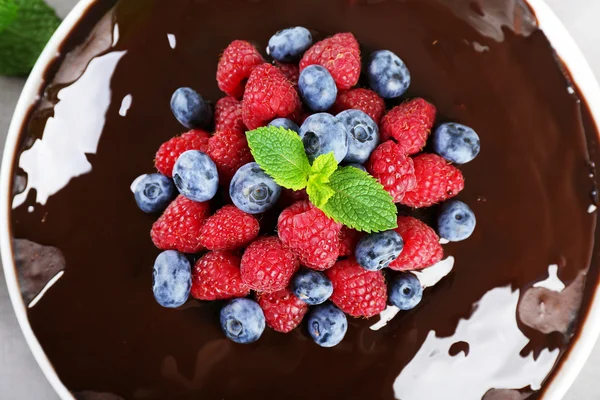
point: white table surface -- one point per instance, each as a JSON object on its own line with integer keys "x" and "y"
{"x": 22, "y": 379}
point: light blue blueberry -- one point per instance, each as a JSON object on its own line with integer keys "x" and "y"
{"x": 252, "y": 190}
{"x": 195, "y": 176}
{"x": 457, "y": 143}
{"x": 363, "y": 135}
{"x": 153, "y": 192}
{"x": 171, "y": 279}
{"x": 456, "y": 221}
{"x": 317, "y": 88}
{"x": 242, "y": 320}
{"x": 377, "y": 250}
{"x": 387, "y": 74}
{"x": 190, "y": 109}
{"x": 327, "y": 325}
{"x": 288, "y": 45}
{"x": 323, "y": 133}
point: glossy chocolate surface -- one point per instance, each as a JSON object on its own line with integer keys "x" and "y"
{"x": 482, "y": 63}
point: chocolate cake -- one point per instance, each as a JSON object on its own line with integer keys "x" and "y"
{"x": 495, "y": 326}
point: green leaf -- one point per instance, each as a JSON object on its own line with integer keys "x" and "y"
{"x": 319, "y": 193}
{"x": 25, "y": 28}
{"x": 324, "y": 165}
{"x": 318, "y": 189}
{"x": 360, "y": 202}
{"x": 280, "y": 153}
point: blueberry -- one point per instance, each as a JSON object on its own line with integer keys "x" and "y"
{"x": 285, "y": 123}
{"x": 376, "y": 251}
{"x": 405, "y": 291}
{"x": 190, "y": 109}
{"x": 456, "y": 143}
{"x": 456, "y": 221}
{"x": 242, "y": 320}
{"x": 317, "y": 88}
{"x": 323, "y": 133}
{"x": 312, "y": 287}
{"x": 252, "y": 190}
{"x": 171, "y": 279}
{"x": 363, "y": 135}
{"x": 196, "y": 176}
{"x": 388, "y": 75}
{"x": 327, "y": 325}
{"x": 153, "y": 192}
{"x": 289, "y": 44}
{"x": 359, "y": 166}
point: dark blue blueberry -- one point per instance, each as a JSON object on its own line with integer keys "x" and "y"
{"x": 327, "y": 325}
{"x": 359, "y": 166}
{"x": 323, "y": 133}
{"x": 405, "y": 291}
{"x": 317, "y": 88}
{"x": 242, "y": 320}
{"x": 456, "y": 221}
{"x": 312, "y": 287}
{"x": 363, "y": 135}
{"x": 288, "y": 45}
{"x": 285, "y": 123}
{"x": 376, "y": 251}
{"x": 153, "y": 192}
{"x": 388, "y": 75}
{"x": 190, "y": 109}
{"x": 252, "y": 190}
{"x": 196, "y": 176}
{"x": 171, "y": 279}
{"x": 456, "y": 143}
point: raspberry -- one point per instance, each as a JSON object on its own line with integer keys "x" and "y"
{"x": 269, "y": 95}
{"x": 437, "y": 181}
{"x": 340, "y": 54}
{"x": 283, "y": 311}
{"x": 268, "y": 265}
{"x": 170, "y": 151}
{"x": 364, "y": 100}
{"x": 290, "y": 71}
{"x": 289, "y": 196}
{"x": 409, "y": 124}
{"x": 229, "y": 229}
{"x": 356, "y": 291}
{"x": 236, "y": 64}
{"x": 216, "y": 276}
{"x": 229, "y": 151}
{"x": 394, "y": 170}
{"x": 228, "y": 115}
{"x": 179, "y": 226}
{"x": 311, "y": 235}
{"x": 422, "y": 246}
{"x": 348, "y": 240}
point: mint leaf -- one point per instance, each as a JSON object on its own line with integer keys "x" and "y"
{"x": 25, "y": 28}
{"x": 324, "y": 165}
{"x": 360, "y": 202}
{"x": 318, "y": 189}
{"x": 280, "y": 153}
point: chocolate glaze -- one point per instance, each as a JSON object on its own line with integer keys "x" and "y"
{"x": 481, "y": 63}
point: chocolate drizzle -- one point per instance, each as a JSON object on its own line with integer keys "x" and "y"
{"x": 481, "y": 63}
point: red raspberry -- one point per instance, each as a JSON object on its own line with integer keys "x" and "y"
{"x": 348, "y": 240}
{"x": 216, "y": 276}
{"x": 365, "y": 100}
{"x": 229, "y": 151}
{"x": 228, "y": 229}
{"x": 437, "y": 181}
{"x": 311, "y": 235}
{"x": 409, "y": 124}
{"x": 228, "y": 115}
{"x": 289, "y": 196}
{"x": 356, "y": 291}
{"x": 340, "y": 54}
{"x": 290, "y": 71}
{"x": 268, "y": 265}
{"x": 269, "y": 95}
{"x": 179, "y": 226}
{"x": 236, "y": 64}
{"x": 283, "y": 311}
{"x": 422, "y": 246}
{"x": 170, "y": 151}
{"x": 394, "y": 170}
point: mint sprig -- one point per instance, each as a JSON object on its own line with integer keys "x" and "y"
{"x": 25, "y": 28}
{"x": 347, "y": 195}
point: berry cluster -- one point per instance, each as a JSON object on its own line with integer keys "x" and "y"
{"x": 220, "y": 217}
